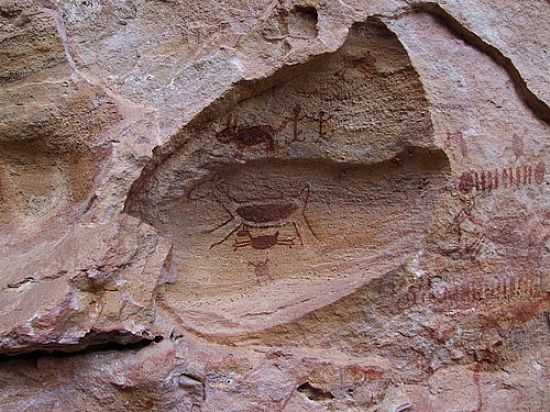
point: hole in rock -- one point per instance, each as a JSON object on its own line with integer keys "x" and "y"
{"x": 303, "y": 22}
{"x": 315, "y": 394}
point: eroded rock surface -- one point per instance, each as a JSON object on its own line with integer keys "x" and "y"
{"x": 274, "y": 205}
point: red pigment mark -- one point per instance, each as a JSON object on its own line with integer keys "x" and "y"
{"x": 373, "y": 375}
{"x": 511, "y": 177}
{"x": 477, "y": 382}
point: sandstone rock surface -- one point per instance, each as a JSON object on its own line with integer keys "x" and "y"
{"x": 274, "y": 205}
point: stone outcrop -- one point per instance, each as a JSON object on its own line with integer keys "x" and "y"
{"x": 274, "y": 205}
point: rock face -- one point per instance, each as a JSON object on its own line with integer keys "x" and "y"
{"x": 274, "y": 205}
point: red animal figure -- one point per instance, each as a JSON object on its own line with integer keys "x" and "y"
{"x": 248, "y": 136}
{"x": 262, "y": 214}
{"x": 260, "y": 242}
{"x": 261, "y": 270}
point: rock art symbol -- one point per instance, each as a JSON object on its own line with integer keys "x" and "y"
{"x": 261, "y": 270}
{"x": 297, "y": 117}
{"x": 262, "y": 241}
{"x": 322, "y": 118}
{"x": 262, "y": 214}
{"x": 486, "y": 180}
{"x": 248, "y": 136}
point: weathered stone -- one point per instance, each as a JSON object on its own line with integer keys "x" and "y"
{"x": 91, "y": 284}
{"x": 274, "y": 205}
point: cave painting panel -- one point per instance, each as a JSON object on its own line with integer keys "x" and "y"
{"x": 269, "y": 220}
{"x": 327, "y": 171}
{"x": 359, "y": 104}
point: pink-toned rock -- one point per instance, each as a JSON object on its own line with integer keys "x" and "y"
{"x": 274, "y": 205}
{"x": 94, "y": 284}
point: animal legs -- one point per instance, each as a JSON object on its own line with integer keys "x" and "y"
{"x": 297, "y": 233}
{"x": 231, "y": 218}
{"x": 304, "y": 194}
{"x": 241, "y": 244}
{"x": 237, "y": 227}
{"x": 308, "y": 224}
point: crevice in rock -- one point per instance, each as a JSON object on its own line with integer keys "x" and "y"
{"x": 20, "y": 283}
{"x": 192, "y": 379}
{"x": 61, "y": 32}
{"x": 313, "y": 393}
{"x": 193, "y": 383}
{"x": 531, "y": 100}
{"x": 79, "y": 350}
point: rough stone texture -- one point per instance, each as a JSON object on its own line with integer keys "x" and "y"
{"x": 274, "y": 205}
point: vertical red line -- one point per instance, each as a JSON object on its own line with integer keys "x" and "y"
{"x": 477, "y": 382}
